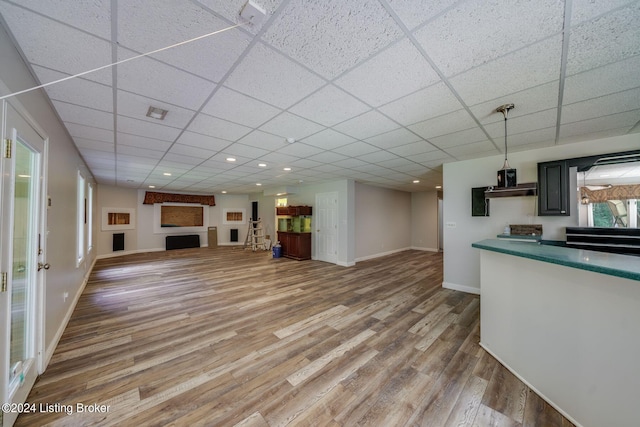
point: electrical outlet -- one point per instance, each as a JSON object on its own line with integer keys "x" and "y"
{"x": 451, "y": 225}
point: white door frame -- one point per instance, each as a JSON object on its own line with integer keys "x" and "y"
{"x": 321, "y": 227}
{"x": 20, "y": 394}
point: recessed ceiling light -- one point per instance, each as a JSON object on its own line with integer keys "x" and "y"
{"x": 416, "y": 181}
{"x": 156, "y": 113}
{"x": 438, "y": 186}
{"x": 224, "y": 191}
{"x": 262, "y": 165}
{"x": 231, "y": 159}
{"x": 287, "y": 169}
{"x": 604, "y": 175}
{"x": 24, "y": 176}
{"x": 152, "y": 186}
{"x": 258, "y": 184}
{"x": 167, "y": 174}
{"x": 291, "y": 140}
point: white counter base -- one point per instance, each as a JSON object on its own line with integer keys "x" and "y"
{"x": 572, "y": 335}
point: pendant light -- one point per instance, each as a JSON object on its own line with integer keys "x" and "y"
{"x": 506, "y": 175}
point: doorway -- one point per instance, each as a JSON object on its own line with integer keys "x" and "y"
{"x": 22, "y": 243}
{"x": 326, "y": 220}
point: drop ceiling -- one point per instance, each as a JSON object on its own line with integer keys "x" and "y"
{"x": 379, "y": 91}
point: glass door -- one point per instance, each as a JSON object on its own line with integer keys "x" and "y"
{"x": 22, "y": 266}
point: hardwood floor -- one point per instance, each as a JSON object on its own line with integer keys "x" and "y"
{"x": 224, "y": 337}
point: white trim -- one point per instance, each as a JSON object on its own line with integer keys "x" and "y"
{"x": 157, "y": 215}
{"x": 419, "y": 248}
{"x": 461, "y": 288}
{"x": 528, "y": 384}
{"x": 381, "y": 254}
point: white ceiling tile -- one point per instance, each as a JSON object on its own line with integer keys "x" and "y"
{"x": 329, "y": 106}
{"x": 459, "y": 138}
{"x": 94, "y": 145}
{"x": 523, "y": 69}
{"x": 431, "y": 158}
{"x": 524, "y": 139}
{"x": 146, "y": 129}
{"x": 142, "y": 27}
{"x": 378, "y": 156}
{"x": 275, "y": 159}
{"x": 246, "y": 151}
{"x": 415, "y": 12}
{"x": 521, "y": 124}
{"x": 299, "y": 149}
{"x": 136, "y": 107}
{"x": 604, "y": 40}
{"x": 288, "y": 125}
{"x": 180, "y": 159}
{"x": 532, "y": 66}
{"x": 393, "y": 73}
{"x": 356, "y": 149}
{"x": 218, "y": 128}
{"x": 263, "y": 140}
{"x": 447, "y": 123}
{"x": 604, "y": 80}
{"x": 230, "y": 9}
{"x": 77, "y": 91}
{"x": 328, "y": 139}
{"x": 602, "y": 106}
{"x": 472, "y": 33}
{"x": 203, "y": 141}
{"x": 462, "y": 151}
{"x": 327, "y": 157}
{"x": 582, "y": 10}
{"x": 349, "y": 163}
{"x": 130, "y": 150}
{"x": 260, "y": 75}
{"x": 401, "y": 165}
{"x": 422, "y": 105}
{"x": 331, "y": 36}
{"x": 188, "y": 150}
{"x": 153, "y": 79}
{"x": 88, "y": 132}
{"x": 143, "y": 142}
{"x": 367, "y": 125}
{"x": 412, "y": 149}
{"x": 93, "y": 17}
{"x": 393, "y": 139}
{"x": 71, "y": 113}
{"x": 233, "y": 106}
{"x": 620, "y": 123}
{"x": 528, "y": 101}
{"x": 58, "y": 46}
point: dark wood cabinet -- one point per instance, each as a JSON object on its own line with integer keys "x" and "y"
{"x": 295, "y": 245}
{"x": 293, "y": 210}
{"x": 553, "y": 192}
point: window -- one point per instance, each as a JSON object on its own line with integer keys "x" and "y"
{"x": 81, "y": 219}
{"x": 89, "y": 218}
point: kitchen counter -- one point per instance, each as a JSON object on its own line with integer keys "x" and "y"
{"x": 565, "y": 321}
{"x": 625, "y": 266}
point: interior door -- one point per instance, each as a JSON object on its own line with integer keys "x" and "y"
{"x": 22, "y": 258}
{"x": 326, "y": 218}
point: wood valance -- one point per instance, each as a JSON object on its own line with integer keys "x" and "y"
{"x": 615, "y": 192}
{"x": 151, "y": 197}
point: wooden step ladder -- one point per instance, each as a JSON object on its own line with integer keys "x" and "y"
{"x": 255, "y": 236}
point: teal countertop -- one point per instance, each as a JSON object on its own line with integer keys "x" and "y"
{"x": 625, "y": 266}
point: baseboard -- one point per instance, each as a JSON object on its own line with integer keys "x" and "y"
{"x": 461, "y": 288}
{"x": 542, "y": 396}
{"x": 381, "y": 254}
{"x": 419, "y": 248}
{"x": 54, "y": 343}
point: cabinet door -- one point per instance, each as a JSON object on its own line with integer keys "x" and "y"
{"x": 283, "y": 238}
{"x": 294, "y": 245}
{"x": 553, "y": 195}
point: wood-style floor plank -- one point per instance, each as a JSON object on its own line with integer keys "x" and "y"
{"x": 226, "y": 337}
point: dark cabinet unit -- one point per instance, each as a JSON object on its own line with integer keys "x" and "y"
{"x": 295, "y": 245}
{"x": 553, "y": 194}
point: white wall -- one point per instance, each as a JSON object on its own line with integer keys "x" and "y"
{"x": 63, "y": 165}
{"x": 116, "y": 197}
{"x": 461, "y": 262}
{"x": 383, "y": 221}
{"x": 424, "y": 220}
